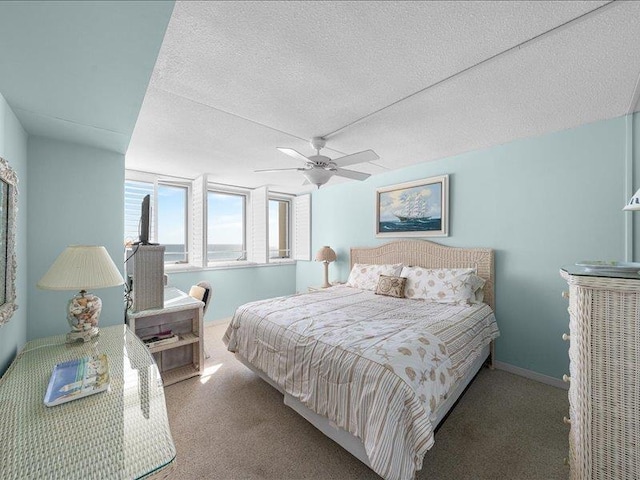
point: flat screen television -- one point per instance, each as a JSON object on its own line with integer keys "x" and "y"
{"x": 144, "y": 225}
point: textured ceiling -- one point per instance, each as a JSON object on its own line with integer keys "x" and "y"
{"x": 415, "y": 81}
{"x": 78, "y": 71}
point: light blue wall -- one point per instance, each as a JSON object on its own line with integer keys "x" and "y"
{"x": 78, "y": 71}
{"x": 234, "y": 287}
{"x": 13, "y": 148}
{"x": 76, "y": 196}
{"x": 540, "y": 203}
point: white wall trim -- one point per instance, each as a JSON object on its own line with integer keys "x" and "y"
{"x": 538, "y": 377}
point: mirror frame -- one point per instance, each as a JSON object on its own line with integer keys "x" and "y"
{"x": 9, "y": 177}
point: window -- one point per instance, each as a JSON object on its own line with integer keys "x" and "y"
{"x": 172, "y": 222}
{"x": 279, "y": 228}
{"x": 226, "y": 226}
{"x": 168, "y": 216}
{"x": 204, "y": 224}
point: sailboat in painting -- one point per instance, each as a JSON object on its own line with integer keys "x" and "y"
{"x": 415, "y": 209}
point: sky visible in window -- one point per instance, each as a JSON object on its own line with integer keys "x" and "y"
{"x": 172, "y": 204}
{"x": 225, "y": 219}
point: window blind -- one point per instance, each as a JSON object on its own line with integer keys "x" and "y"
{"x": 302, "y": 227}
{"x": 259, "y": 226}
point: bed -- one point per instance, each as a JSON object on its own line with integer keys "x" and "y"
{"x": 374, "y": 373}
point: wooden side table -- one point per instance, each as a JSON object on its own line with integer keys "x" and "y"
{"x": 122, "y": 433}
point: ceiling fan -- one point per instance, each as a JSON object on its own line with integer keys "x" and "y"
{"x": 319, "y": 169}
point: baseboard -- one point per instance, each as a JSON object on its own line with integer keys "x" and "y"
{"x": 538, "y": 377}
{"x": 220, "y": 321}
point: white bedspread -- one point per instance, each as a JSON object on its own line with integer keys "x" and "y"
{"x": 377, "y": 366}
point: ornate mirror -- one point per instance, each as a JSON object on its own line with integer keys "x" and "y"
{"x": 8, "y": 262}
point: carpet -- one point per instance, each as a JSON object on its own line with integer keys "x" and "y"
{"x": 229, "y": 424}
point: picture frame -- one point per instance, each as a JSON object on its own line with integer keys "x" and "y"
{"x": 413, "y": 209}
{"x": 8, "y": 226}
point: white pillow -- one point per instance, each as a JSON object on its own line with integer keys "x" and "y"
{"x": 365, "y": 276}
{"x": 442, "y": 285}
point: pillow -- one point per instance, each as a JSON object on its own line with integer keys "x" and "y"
{"x": 365, "y": 276}
{"x": 198, "y": 292}
{"x": 442, "y": 285}
{"x": 478, "y": 284}
{"x": 391, "y": 286}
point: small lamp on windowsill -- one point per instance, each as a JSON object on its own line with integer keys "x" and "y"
{"x": 326, "y": 255}
{"x": 82, "y": 267}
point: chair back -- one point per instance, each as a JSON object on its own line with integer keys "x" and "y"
{"x": 202, "y": 291}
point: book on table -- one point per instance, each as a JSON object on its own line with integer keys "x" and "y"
{"x": 77, "y": 379}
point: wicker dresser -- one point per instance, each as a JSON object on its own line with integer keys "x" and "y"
{"x": 604, "y": 390}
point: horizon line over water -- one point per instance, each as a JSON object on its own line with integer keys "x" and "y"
{"x": 174, "y": 252}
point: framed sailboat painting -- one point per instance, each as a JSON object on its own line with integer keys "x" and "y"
{"x": 414, "y": 209}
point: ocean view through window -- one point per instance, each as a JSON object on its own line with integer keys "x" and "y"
{"x": 172, "y": 222}
{"x": 168, "y": 216}
{"x": 226, "y": 226}
{"x": 202, "y": 224}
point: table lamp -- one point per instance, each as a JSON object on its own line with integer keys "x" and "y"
{"x": 326, "y": 255}
{"x": 82, "y": 267}
{"x": 634, "y": 203}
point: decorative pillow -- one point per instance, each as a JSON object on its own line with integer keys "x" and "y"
{"x": 391, "y": 286}
{"x": 477, "y": 283}
{"x": 365, "y": 276}
{"x": 442, "y": 285}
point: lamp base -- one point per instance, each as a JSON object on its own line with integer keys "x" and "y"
{"x": 326, "y": 283}
{"x": 84, "y": 335}
{"x": 83, "y": 315}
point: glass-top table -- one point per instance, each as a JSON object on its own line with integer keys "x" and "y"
{"x": 122, "y": 433}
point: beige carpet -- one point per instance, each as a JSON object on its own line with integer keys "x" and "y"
{"x": 229, "y": 424}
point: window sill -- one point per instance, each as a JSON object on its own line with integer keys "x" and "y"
{"x": 183, "y": 267}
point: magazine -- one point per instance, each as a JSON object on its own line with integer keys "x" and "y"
{"x": 154, "y": 337}
{"x": 162, "y": 341}
{"x": 76, "y": 379}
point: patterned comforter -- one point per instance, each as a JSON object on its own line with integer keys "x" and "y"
{"x": 376, "y": 366}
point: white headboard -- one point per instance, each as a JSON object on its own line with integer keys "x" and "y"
{"x": 422, "y": 253}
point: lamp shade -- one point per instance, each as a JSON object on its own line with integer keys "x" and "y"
{"x": 82, "y": 267}
{"x": 634, "y": 203}
{"x": 326, "y": 254}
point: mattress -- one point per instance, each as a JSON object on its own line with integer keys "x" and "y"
{"x": 375, "y": 366}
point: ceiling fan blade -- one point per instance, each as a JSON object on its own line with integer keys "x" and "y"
{"x": 276, "y": 169}
{"x": 292, "y": 153}
{"x": 343, "y": 172}
{"x": 360, "y": 157}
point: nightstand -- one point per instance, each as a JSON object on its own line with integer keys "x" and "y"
{"x": 317, "y": 288}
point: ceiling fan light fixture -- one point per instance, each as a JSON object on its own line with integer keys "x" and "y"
{"x": 317, "y": 176}
{"x": 320, "y": 168}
